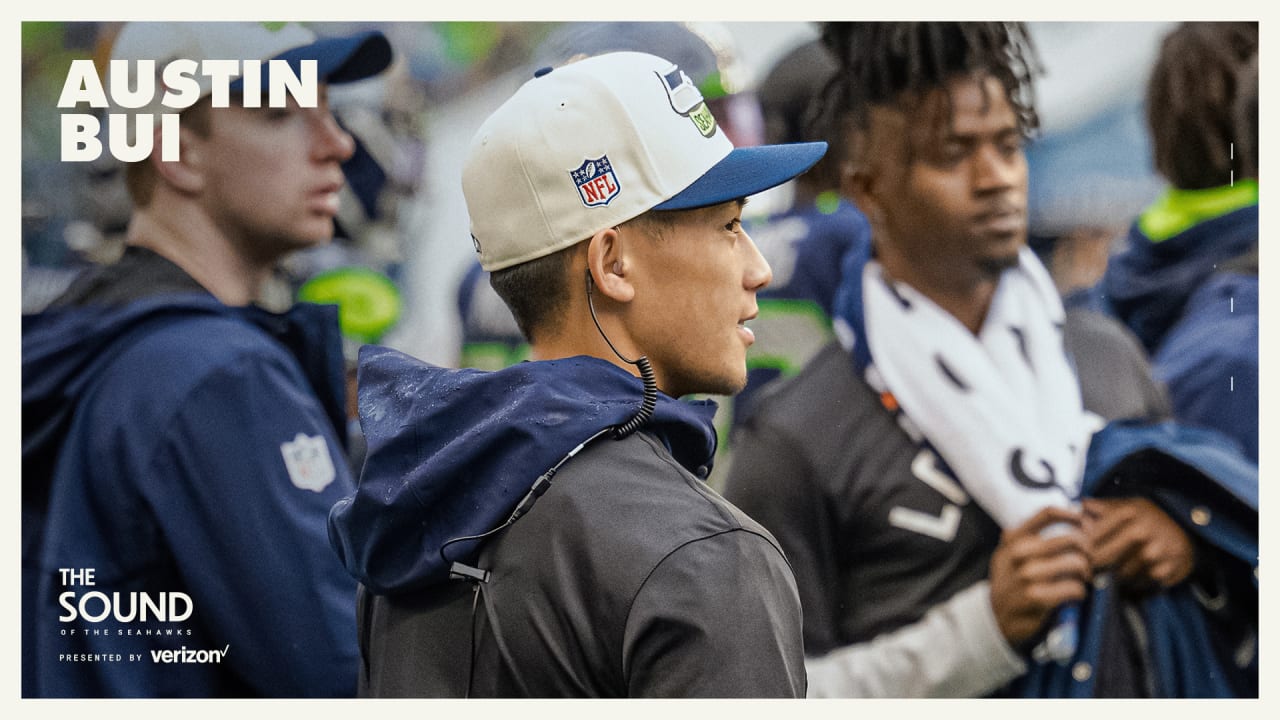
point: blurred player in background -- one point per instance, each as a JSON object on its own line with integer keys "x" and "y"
{"x": 1186, "y": 282}
{"x": 805, "y": 242}
{"x": 178, "y": 439}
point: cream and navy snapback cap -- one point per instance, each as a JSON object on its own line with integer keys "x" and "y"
{"x": 600, "y": 141}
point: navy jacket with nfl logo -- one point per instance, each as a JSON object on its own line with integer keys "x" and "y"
{"x": 179, "y": 448}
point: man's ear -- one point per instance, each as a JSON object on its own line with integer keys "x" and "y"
{"x": 186, "y": 174}
{"x": 610, "y": 263}
{"x": 859, "y": 180}
{"x": 859, "y": 183}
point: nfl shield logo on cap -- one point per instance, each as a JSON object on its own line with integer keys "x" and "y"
{"x": 596, "y": 183}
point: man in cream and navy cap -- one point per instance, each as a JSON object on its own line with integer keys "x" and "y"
{"x": 182, "y": 447}
{"x": 706, "y": 52}
{"x": 545, "y": 530}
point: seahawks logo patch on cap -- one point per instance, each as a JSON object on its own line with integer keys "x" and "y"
{"x": 686, "y": 100}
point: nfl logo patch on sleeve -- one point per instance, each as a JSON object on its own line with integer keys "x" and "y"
{"x": 308, "y": 461}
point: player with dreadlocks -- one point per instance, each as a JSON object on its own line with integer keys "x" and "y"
{"x": 897, "y": 63}
{"x": 924, "y": 472}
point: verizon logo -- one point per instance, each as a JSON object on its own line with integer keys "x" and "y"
{"x": 183, "y": 655}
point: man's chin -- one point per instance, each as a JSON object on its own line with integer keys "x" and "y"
{"x": 996, "y": 263}
{"x": 726, "y": 384}
{"x": 313, "y": 238}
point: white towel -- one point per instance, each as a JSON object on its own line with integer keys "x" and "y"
{"x": 1002, "y": 408}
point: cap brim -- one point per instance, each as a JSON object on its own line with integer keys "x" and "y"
{"x": 746, "y": 171}
{"x": 339, "y": 59}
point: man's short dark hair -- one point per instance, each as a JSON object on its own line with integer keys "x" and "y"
{"x": 1191, "y": 97}
{"x": 538, "y": 291}
{"x": 896, "y": 64}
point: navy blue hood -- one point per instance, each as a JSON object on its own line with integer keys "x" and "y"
{"x": 1148, "y": 284}
{"x": 451, "y": 453}
{"x": 64, "y": 351}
